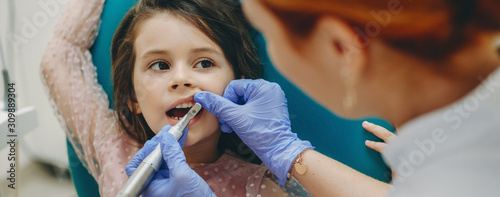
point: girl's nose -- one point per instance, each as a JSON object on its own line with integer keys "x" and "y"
{"x": 180, "y": 79}
{"x": 175, "y": 86}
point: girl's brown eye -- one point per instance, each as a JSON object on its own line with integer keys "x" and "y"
{"x": 160, "y": 65}
{"x": 204, "y": 64}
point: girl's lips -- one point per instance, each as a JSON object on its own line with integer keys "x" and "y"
{"x": 193, "y": 121}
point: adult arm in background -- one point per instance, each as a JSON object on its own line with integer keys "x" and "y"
{"x": 257, "y": 111}
{"x": 80, "y": 103}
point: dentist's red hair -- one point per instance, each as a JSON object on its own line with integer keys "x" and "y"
{"x": 431, "y": 29}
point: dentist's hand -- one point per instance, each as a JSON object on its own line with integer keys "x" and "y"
{"x": 175, "y": 177}
{"x": 257, "y": 111}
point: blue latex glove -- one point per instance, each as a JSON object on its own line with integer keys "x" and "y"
{"x": 257, "y": 111}
{"x": 175, "y": 177}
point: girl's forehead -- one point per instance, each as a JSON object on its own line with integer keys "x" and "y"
{"x": 168, "y": 31}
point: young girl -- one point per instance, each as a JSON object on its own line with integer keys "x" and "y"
{"x": 162, "y": 54}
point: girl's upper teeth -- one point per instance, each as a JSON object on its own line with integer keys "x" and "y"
{"x": 184, "y": 105}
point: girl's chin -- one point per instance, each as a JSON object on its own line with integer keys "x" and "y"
{"x": 191, "y": 141}
{"x": 202, "y": 137}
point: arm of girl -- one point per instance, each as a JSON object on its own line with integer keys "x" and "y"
{"x": 79, "y": 101}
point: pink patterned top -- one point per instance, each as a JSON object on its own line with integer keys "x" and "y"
{"x": 81, "y": 106}
{"x": 232, "y": 176}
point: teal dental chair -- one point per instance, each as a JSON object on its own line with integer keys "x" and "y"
{"x": 335, "y": 137}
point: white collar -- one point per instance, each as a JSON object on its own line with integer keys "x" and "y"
{"x": 481, "y": 104}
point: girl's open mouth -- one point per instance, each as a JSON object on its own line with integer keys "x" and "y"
{"x": 177, "y": 113}
{"x": 180, "y": 111}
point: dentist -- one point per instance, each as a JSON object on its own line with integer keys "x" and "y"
{"x": 430, "y": 67}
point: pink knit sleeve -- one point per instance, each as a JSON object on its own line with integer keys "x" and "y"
{"x": 80, "y": 103}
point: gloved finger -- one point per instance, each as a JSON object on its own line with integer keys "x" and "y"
{"x": 262, "y": 94}
{"x": 148, "y": 147}
{"x": 225, "y": 128}
{"x": 237, "y": 90}
{"x": 131, "y": 167}
{"x": 151, "y": 144}
{"x": 172, "y": 153}
{"x": 160, "y": 136}
{"x": 244, "y": 90}
{"x": 215, "y": 104}
{"x": 163, "y": 130}
{"x": 182, "y": 140}
{"x": 162, "y": 174}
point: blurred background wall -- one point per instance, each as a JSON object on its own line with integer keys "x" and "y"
{"x": 25, "y": 28}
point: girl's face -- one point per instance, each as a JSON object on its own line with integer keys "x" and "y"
{"x": 174, "y": 60}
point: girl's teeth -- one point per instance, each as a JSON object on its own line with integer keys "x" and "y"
{"x": 184, "y": 105}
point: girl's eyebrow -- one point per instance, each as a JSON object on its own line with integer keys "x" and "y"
{"x": 207, "y": 49}
{"x": 165, "y": 52}
{"x": 154, "y": 52}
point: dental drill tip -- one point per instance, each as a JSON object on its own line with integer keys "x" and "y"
{"x": 195, "y": 109}
{"x": 178, "y": 128}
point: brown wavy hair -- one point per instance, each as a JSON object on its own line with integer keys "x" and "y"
{"x": 222, "y": 21}
{"x": 430, "y": 29}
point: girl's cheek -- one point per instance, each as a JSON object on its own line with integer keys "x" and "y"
{"x": 146, "y": 85}
{"x": 217, "y": 88}
{"x": 152, "y": 81}
{"x": 219, "y": 82}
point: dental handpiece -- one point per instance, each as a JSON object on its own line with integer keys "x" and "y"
{"x": 151, "y": 164}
